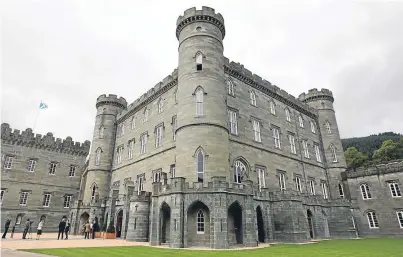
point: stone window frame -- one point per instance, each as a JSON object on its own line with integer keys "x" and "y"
{"x": 332, "y": 148}
{"x": 272, "y": 107}
{"x": 174, "y": 123}
{"x": 340, "y": 188}
{"x": 130, "y": 148}
{"x": 2, "y": 194}
{"x": 52, "y": 167}
{"x": 241, "y": 160}
{"x": 298, "y": 182}
{"x": 200, "y": 222}
{"x": 318, "y": 153}
{"x": 258, "y": 132}
{"x": 101, "y": 131}
{"x": 198, "y": 59}
{"x": 399, "y": 214}
{"x": 198, "y": 95}
{"x": 94, "y": 189}
{"x": 372, "y": 219}
{"x": 119, "y": 153}
{"x": 18, "y": 219}
{"x": 67, "y": 200}
{"x": 287, "y": 114}
{"x": 140, "y": 181}
{"x": 200, "y": 178}
{"x": 260, "y": 169}
{"x": 143, "y": 142}
{"x": 98, "y": 153}
{"x": 72, "y": 170}
{"x": 293, "y": 146}
{"x": 235, "y": 126}
{"x": 301, "y": 121}
{"x": 32, "y": 162}
{"x": 305, "y": 148}
{"x": 312, "y": 184}
{"x": 328, "y": 127}
{"x": 160, "y": 105}
{"x": 365, "y": 191}
{"x": 325, "y": 189}
{"x": 133, "y": 123}
{"x": 276, "y": 137}
{"x": 8, "y": 161}
{"x": 282, "y": 179}
{"x": 252, "y": 98}
{"x": 394, "y": 186}
{"x": 230, "y": 86}
{"x": 23, "y": 201}
{"x": 44, "y": 200}
{"x": 145, "y": 114}
{"x": 159, "y": 140}
{"x": 157, "y": 175}
{"x": 172, "y": 170}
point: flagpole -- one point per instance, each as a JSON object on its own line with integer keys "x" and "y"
{"x": 36, "y": 118}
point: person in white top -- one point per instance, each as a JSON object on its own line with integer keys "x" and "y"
{"x": 39, "y": 229}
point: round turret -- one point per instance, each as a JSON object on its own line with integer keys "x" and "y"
{"x": 111, "y": 100}
{"x": 318, "y": 99}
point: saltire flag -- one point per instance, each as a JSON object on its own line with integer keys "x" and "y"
{"x": 43, "y": 106}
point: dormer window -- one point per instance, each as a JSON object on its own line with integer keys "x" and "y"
{"x": 199, "y": 61}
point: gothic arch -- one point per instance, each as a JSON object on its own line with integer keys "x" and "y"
{"x": 196, "y": 202}
{"x": 199, "y": 53}
{"x": 236, "y": 202}
{"x": 240, "y": 173}
{"x": 198, "y": 149}
{"x": 199, "y": 88}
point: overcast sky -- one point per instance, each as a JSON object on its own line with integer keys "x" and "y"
{"x": 67, "y": 53}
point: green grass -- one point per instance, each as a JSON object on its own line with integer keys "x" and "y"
{"x": 379, "y": 247}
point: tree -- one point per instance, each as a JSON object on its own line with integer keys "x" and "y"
{"x": 388, "y": 151}
{"x": 354, "y": 158}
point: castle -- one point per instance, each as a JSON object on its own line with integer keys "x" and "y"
{"x": 212, "y": 156}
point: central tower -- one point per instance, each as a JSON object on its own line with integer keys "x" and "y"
{"x": 202, "y": 148}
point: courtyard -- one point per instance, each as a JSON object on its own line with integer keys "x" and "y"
{"x": 76, "y": 246}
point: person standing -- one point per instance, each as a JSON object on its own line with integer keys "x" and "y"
{"x": 6, "y": 227}
{"x": 62, "y": 226}
{"x": 39, "y": 229}
{"x": 67, "y": 229}
{"x": 95, "y": 227}
{"x": 26, "y": 229}
{"x": 87, "y": 230}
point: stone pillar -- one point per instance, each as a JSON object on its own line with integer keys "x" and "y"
{"x": 138, "y": 223}
{"x": 219, "y": 214}
{"x": 177, "y": 221}
{"x": 154, "y": 221}
{"x": 249, "y": 212}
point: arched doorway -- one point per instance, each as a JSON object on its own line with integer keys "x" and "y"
{"x": 310, "y": 223}
{"x": 198, "y": 225}
{"x": 119, "y": 220}
{"x": 84, "y": 218}
{"x": 260, "y": 225}
{"x": 165, "y": 222}
{"x": 235, "y": 228}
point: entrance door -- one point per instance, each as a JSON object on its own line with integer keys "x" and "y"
{"x": 119, "y": 220}
{"x": 310, "y": 223}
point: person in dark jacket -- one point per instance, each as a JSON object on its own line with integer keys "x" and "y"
{"x": 67, "y": 229}
{"x": 6, "y": 227}
{"x": 26, "y": 229}
{"x": 95, "y": 227}
{"x": 62, "y": 227}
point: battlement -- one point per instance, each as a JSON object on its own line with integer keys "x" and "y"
{"x": 111, "y": 100}
{"x": 315, "y": 94}
{"x": 206, "y": 14}
{"x": 161, "y": 87}
{"x": 375, "y": 170}
{"x": 239, "y": 72}
{"x": 48, "y": 142}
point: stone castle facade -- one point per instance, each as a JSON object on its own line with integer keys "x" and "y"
{"x": 216, "y": 156}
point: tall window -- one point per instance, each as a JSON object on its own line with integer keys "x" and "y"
{"x": 31, "y": 165}
{"x": 140, "y": 181}
{"x": 133, "y": 123}
{"x": 67, "y": 200}
{"x": 119, "y": 155}
{"x": 160, "y": 105}
{"x": 400, "y": 218}
{"x": 98, "y": 157}
{"x": 199, "y": 102}
{"x": 158, "y": 136}
{"x": 52, "y": 168}
{"x": 145, "y": 115}
{"x": 101, "y": 132}
{"x": 287, "y": 115}
{"x": 172, "y": 170}
{"x": 276, "y": 136}
{"x": 366, "y": 194}
{"x": 312, "y": 187}
{"x": 256, "y": 130}
{"x": 93, "y": 192}
{"x": 199, "y": 61}
{"x": 239, "y": 170}
{"x": 328, "y": 129}
{"x": 313, "y": 127}
{"x": 131, "y": 149}
{"x": 233, "y": 122}
{"x": 8, "y": 162}
{"x": 1, "y": 195}
{"x": 298, "y": 186}
{"x": 200, "y": 166}
{"x": 46, "y": 200}
{"x": 395, "y": 189}
{"x": 23, "y": 198}
{"x": 317, "y": 153}
{"x": 341, "y": 190}
{"x": 334, "y": 155}
{"x": 324, "y": 190}
{"x": 143, "y": 143}
{"x": 281, "y": 180}
{"x": 372, "y": 220}
{"x": 305, "y": 147}
{"x": 72, "y": 171}
{"x": 121, "y": 129}
{"x": 200, "y": 222}
{"x": 272, "y": 108}
{"x": 157, "y": 176}
{"x": 293, "y": 149}
{"x": 230, "y": 84}
{"x": 261, "y": 180}
{"x": 252, "y": 98}
{"x": 301, "y": 121}
{"x": 174, "y": 127}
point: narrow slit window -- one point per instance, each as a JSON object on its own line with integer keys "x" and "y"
{"x": 199, "y": 61}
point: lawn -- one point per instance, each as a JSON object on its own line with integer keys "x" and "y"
{"x": 380, "y": 247}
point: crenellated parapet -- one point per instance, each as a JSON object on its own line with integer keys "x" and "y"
{"x": 375, "y": 170}
{"x": 161, "y": 87}
{"x": 206, "y": 14}
{"x": 47, "y": 142}
{"x": 315, "y": 94}
{"x": 111, "y": 100}
{"x": 239, "y": 72}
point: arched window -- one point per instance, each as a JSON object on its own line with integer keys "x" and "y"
{"x": 98, "y": 156}
{"x": 252, "y": 98}
{"x": 101, "y": 132}
{"x": 93, "y": 191}
{"x": 133, "y": 123}
{"x": 145, "y": 115}
{"x": 334, "y": 156}
{"x": 272, "y": 107}
{"x": 287, "y": 115}
{"x": 199, "y": 101}
{"x": 199, "y": 61}
{"x": 160, "y": 105}
{"x": 301, "y": 121}
{"x": 366, "y": 194}
{"x": 230, "y": 84}
{"x": 200, "y": 165}
{"x": 372, "y": 220}
{"x": 341, "y": 190}
{"x": 313, "y": 128}
{"x": 239, "y": 171}
{"x": 200, "y": 222}
{"x": 328, "y": 129}
{"x": 18, "y": 219}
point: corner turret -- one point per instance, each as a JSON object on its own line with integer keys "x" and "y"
{"x": 318, "y": 99}
{"x": 111, "y": 100}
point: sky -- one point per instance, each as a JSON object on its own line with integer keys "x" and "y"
{"x": 67, "y": 53}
